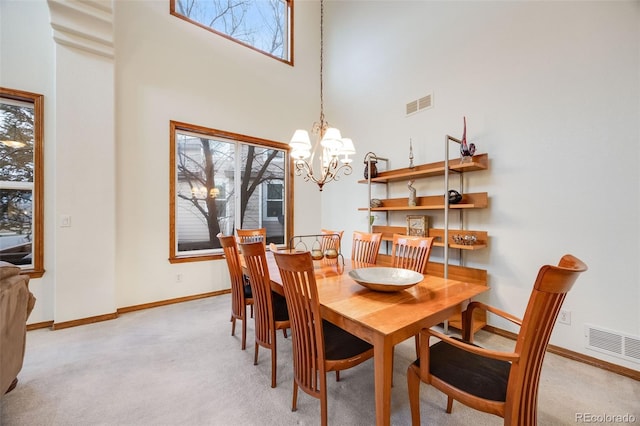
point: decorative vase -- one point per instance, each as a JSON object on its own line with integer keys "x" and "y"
{"x": 373, "y": 162}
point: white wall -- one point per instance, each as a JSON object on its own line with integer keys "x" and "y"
{"x": 165, "y": 69}
{"x": 24, "y": 27}
{"x": 551, "y": 91}
{"x": 168, "y": 69}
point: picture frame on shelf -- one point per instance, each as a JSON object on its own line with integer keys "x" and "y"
{"x": 417, "y": 225}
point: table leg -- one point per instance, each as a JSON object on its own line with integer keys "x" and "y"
{"x": 383, "y": 371}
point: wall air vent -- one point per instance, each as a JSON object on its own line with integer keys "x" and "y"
{"x": 421, "y": 104}
{"x": 613, "y": 343}
{"x": 412, "y": 107}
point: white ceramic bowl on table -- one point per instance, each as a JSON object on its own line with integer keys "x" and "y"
{"x": 382, "y": 278}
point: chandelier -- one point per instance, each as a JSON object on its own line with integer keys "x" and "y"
{"x": 329, "y": 145}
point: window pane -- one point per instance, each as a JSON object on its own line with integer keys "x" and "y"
{"x": 20, "y": 189}
{"x": 16, "y": 149}
{"x": 261, "y": 24}
{"x": 267, "y": 167}
{"x": 220, "y": 183}
{"x": 274, "y": 192}
{"x": 205, "y": 188}
{"x": 16, "y": 214}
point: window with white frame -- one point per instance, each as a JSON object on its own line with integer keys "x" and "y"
{"x": 262, "y": 25}
{"x": 21, "y": 209}
{"x": 222, "y": 181}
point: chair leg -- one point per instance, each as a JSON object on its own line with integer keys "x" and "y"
{"x": 244, "y": 333}
{"x": 233, "y": 325}
{"x": 337, "y": 376}
{"x": 417, "y": 346}
{"x": 284, "y": 332}
{"x": 255, "y": 356}
{"x": 413, "y": 383}
{"x": 273, "y": 365}
{"x": 323, "y": 407}
{"x": 450, "y": 404}
{"x": 294, "y": 402}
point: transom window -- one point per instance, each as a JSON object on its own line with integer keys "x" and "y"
{"x": 221, "y": 181}
{"x": 263, "y": 25}
{"x": 21, "y": 180}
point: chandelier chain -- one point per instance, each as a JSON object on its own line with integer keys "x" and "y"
{"x": 322, "y": 123}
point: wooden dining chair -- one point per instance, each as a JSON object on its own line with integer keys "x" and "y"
{"x": 241, "y": 295}
{"x": 252, "y": 235}
{"x": 365, "y": 246}
{"x": 496, "y": 382}
{"x": 330, "y": 240}
{"x": 318, "y": 345}
{"x": 411, "y": 252}
{"x": 270, "y": 308}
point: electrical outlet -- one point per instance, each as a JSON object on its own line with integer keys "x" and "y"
{"x": 564, "y": 317}
{"x": 178, "y": 278}
{"x": 65, "y": 221}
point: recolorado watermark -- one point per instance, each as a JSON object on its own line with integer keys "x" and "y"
{"x": 605, "y": 418}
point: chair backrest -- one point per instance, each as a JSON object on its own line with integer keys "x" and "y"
{"x": 232, "y": 257}
{"x": 330, "y": 239}
{"x": 301, "y": 292}
{"x": 252, "y": 235}
{"x": 256, "y": 264}
{"x": 365, "y": 246}
{"x": 411, "y": 252}
{"x": 547, "y": 296}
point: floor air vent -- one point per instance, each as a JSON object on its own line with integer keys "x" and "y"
{"x": 613, "y": 343}
{"x": 423, "y": 103}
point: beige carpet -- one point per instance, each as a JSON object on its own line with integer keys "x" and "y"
{"x": 179, "y": 365}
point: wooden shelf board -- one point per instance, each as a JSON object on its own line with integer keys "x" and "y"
{"x": 477, "y": 200}
{"x": 388, "y": 231}
{"x": 478, "y": 162}
{"x": 453, "y": 246}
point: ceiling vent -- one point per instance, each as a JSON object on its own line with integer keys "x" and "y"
{"x": 613, "y": 343}
{"x": 421, "y": 104}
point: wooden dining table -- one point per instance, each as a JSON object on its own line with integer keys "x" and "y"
{"x": 383, "y": 319}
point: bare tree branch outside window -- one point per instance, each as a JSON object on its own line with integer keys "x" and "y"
{"x": 261, "y": 24}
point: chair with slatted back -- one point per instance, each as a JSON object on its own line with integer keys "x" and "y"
{"x": 318, "y": 345}
{"x": 252, "y": 235}
{"x": 330, "y": 240}
{"x": 241, "y": 296}
{"x": 411, "y": 252}
{"x": 270, "y": 308}
{"x": 496, "y": 382}
{"x": 365, "y": 246}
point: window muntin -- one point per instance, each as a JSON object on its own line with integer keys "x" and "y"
{"x": 21, "y": 185}
{"x": 219, "y": 182}
{"x": 262, "y": 25}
